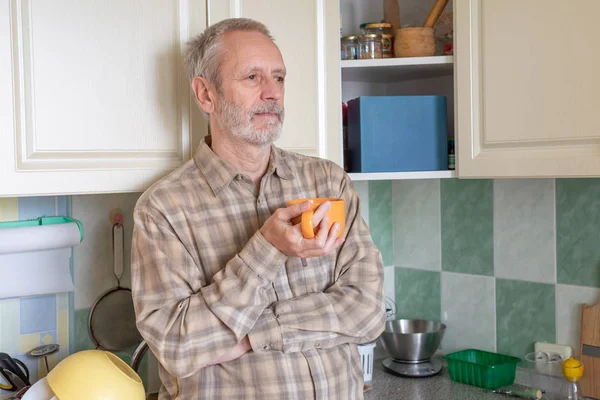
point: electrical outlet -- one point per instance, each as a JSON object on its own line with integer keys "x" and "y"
{"x": 564, "y": 350}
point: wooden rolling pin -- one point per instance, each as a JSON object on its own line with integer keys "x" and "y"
{"x": 435, "y": 13}
{"x": 391, "y": 14}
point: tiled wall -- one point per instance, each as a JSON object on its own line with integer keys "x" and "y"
{"x": 504, "y": 263}
{"x": 28, "y": 322}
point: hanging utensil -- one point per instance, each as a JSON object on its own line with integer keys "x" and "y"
{"x": 111, "y": 324}
{"x": 435, "y": 13}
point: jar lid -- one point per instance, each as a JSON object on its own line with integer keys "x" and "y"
{"x": 370, "y": 36}
{"x": 364, "y": 24}
{"x": 379, "y": 25}
{"x": 349, "y": 38}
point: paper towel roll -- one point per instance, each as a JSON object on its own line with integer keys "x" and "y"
{"x": 39, "y": 237}
{"x": 35, "y": 273}
{"x": 36, "y": 259}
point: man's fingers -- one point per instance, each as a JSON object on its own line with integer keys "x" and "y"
{"x": 288, "y": 238}
{"x": 293, "y": 235}
{"x": 321, "y": 236}
{"x": 322, "y": 252}
{"x": 320, "y": 213}
{"x": 335, "y": 228}
{"x": 318, "y": 242}
{"x": 293, "y": 211}
{"x": 312, "y": 249}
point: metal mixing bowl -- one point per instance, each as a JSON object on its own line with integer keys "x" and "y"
{"x": 412, "y": 340}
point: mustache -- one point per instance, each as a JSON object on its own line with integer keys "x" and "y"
{"x": 271, "y": 108}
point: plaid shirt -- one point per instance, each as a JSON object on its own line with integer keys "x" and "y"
{"x": 203, "y": 277}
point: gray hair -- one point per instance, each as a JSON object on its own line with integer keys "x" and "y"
{"x": 203, "y": 57}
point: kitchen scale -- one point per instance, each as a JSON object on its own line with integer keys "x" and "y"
{"x": 412, "y": 369}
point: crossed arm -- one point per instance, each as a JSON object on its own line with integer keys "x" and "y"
{"x": 190, "y": 323}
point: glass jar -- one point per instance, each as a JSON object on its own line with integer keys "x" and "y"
{"x": 385, "y": 30}
{"x": 370, "y": 46}
{"x": 349, "y": 47}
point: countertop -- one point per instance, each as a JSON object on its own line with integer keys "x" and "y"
{"x": 438, "y": 387}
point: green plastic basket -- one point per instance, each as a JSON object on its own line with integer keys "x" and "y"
{"x": 482, "y": 368}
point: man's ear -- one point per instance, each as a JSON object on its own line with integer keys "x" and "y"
{"x": 203, "y": 95}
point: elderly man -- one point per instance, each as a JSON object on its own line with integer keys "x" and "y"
{"x": 229, "y": 296}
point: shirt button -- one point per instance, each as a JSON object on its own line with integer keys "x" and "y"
{"x": 317, "y": 345}
{"x": 266, "y": 347}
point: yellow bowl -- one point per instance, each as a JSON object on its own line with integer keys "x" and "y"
{"x": 95, "y": 375}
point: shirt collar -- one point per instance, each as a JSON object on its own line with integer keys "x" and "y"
{"x": 219, "y": 173}
{"x": 279, "y": 164}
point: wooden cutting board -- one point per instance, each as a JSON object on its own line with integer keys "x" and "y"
{"x": 391, "y": 14}
{"x": 590, "y": 350}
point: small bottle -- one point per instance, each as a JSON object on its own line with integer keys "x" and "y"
{"x": 451, "y": 154}
{"x": 572, "y": 371}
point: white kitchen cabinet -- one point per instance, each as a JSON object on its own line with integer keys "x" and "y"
{"x": 94, "y": 97}
{"x": 307, "y": 33}
{"x": 527, "y": 88}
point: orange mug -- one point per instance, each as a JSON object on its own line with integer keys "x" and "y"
{"x": 336, "y": 213}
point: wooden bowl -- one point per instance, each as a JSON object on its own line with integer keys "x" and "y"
{"x": 414, "y": 42}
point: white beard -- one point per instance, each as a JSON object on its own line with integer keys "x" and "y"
{"x": 237, "y": 122}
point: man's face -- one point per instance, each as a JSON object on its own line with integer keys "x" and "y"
{"x": 250, "y": 100}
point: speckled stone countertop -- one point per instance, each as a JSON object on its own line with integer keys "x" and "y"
{"x": 438, "y": 387}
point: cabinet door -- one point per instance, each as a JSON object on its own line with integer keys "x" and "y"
{"x": 94, "y": 97}
{"x": 307, "y": 33}
{"x": 527, "y": 88}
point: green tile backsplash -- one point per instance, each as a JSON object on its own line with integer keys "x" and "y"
{"x": 525, "y": 313}
{"x": 416, "y": 212}
{"x": 467, "y": 226}
{"x": 517, "y": 257}
{"x": 417, "y": 294}
{"x": 380, "y": 221}
{"x": 578, "y": 231}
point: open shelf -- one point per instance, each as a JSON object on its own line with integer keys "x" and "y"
{"x": 396, "y": 69}
{"x": 392, "y": 176}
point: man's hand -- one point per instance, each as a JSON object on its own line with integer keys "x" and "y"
{"x": 288, "y": 239}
